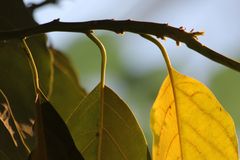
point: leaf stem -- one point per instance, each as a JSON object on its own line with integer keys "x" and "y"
{"x": 170, "y": 69}
{"x": 160, "y": 46}
{"x": 102, "y": 85}
{"x": 103, "y": 56}
{"x": 33, "y": 67}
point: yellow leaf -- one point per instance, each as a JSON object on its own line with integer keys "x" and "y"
{"x": 188, "y": 123}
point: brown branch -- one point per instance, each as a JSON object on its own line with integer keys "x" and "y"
{"x": 159, "y": 30}
{"x": 33, "y": 6}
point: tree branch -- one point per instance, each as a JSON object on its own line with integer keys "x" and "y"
{"x": 159, "y": 30}
{"x": 33, "y": 6}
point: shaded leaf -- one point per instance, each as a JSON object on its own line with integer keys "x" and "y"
{"x": 54, "y": 141}
{"x": 189, "y": 123}
{"x": 11, "y": 147}
{"x": 16, "y": 81}
{"x": 16, "y": 77}
{"x": 8, "y": 150}
{"x": 122, "y": 136}
{"x": 62, "y": 62}
{"x": 66, "y": 91}
{"x": 5, "y": 117}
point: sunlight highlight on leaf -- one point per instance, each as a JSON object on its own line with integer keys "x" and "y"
{"x": 11, "y": 143}
{"x": 5, "y": 117}
{"x": 189, "y": 123}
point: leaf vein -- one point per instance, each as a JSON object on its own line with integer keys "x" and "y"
{"x": 169, "y": 146}
{"x": 115, "y": 142}
{"x": 117, "y": 114}
{"x": 211, "y": 117}
{"x": 88, "y": 145}
{"x": 77, "y": 108}
{"x": 215, "y": 147}
{"x": 195, "y": 148}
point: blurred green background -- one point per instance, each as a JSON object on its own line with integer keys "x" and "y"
{"x": 135, "y": 67}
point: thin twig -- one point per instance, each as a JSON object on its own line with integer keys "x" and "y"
{"x": 33, "y": 6}
{"x": 157, "y": 29}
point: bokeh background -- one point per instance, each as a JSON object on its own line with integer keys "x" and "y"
{"x": 135, "y": 67}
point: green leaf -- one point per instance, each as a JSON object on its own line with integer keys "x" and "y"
{"x": 62, "y": 62}
{"x": 122, "y": 136}
{"x": 54, "y": 141}
{"x": 16, "y": 79}
{"x": 16, "y": 82}
{"x": 66, "y": 91}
